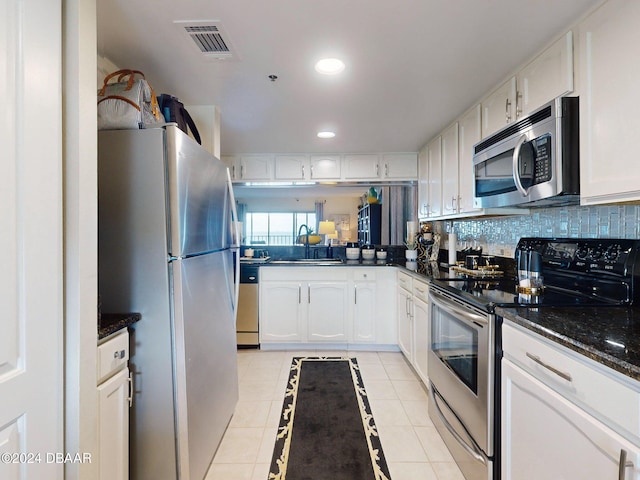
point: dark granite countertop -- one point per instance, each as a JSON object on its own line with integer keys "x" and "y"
{"x": 608, "y": 335}
{"x": 109, "y": 323}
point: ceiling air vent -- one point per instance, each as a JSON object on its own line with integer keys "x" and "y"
{"x": 209, "y": 37}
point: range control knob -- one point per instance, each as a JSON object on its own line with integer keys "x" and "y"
{"x": 582, "y": 252}
{"x": 596, "y": 253}
{"x": 612, "y": 253}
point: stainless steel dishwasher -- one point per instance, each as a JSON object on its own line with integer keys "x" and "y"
{"x": 247, "y": 322}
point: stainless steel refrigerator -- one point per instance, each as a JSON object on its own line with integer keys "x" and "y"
{"x": 166, "y": 214}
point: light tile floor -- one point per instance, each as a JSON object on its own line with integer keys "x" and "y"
{"x": 411, "y": 444}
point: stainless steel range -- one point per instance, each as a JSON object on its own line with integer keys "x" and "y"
{"x": 464, "y": 353}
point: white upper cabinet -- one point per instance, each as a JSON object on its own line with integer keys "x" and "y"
{"x": 450, "y": 170}
{"x": 423, "y": 183}
{"x": 361, "y": 166}
{"x": 399, "y": 166}
{"x": 609, "y": 94}
{"x": 324, "y": 167}
{"x": 248, "y": 167}
{"x": 546, "y": 77}
{"x": 468, "y": 135}
{"x": 434, "y": 162}
{"x": 499, "y": 108}
{"x": 291, "y": 167}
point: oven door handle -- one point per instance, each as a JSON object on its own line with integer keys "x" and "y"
{"x": 455, "y": 310}
{"x": 472, "y": 449}
{"x": 516, "y": 174}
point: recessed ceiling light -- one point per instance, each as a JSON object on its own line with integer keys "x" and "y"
{"x": 329, "y": 66}
{"x": 326, "y": 134}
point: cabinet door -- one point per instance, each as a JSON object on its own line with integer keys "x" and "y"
{"x": 546, "y": 436}
{"x": 423, "y": 183}
{"x": 291, "y": 167}
{"x": 325, "y": 167}
{"x": 255, "y": 167}
{"x": 400, "y": 166}
{"x": 421, "y": 336}
{"x": 281, "y": 311}
{"x": 499, "y": 108}
{"x": 450, "y": 170}
{"x": 234, "y": 165}
{"x": 434, "y": 153}
{"x": 548, "y": 76}
{"x": 405, "y": 324}
{"x": 327, "y": 311}
{"x": 364, "y": 312}
{"x": 361, "y": 166}
{"x": 609, "y": 72}
{"x": 113, "y": 427}
{"x": 468, "y": 136}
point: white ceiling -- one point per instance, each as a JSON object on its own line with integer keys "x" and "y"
{"x": 412, "y": 66}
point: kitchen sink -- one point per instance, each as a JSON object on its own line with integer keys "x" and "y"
{"x": 307, "y": 261}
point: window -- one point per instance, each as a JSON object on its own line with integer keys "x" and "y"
{"x": 271, "y": 228}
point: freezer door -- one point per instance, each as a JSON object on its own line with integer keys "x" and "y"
{"x": 206, "y": 359}
{"x": 198, "y": 198}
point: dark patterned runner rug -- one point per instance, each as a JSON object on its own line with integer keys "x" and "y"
{"x": 326, "y": 427}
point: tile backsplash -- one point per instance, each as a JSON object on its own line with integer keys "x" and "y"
{"x": 499, "y": 235}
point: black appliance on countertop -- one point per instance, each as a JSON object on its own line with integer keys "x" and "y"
{"x": 465, "y": 338}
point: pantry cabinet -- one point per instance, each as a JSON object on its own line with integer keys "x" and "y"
{"x": 609, "y": 70}
{"x": 549, "y": 388}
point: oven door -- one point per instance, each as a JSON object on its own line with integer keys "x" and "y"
{"x": 461, "y": 366}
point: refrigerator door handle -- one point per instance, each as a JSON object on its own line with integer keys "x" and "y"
{"x": 235, "y": 246}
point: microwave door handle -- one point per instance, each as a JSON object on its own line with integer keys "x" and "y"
{"x": 516, "y": 175}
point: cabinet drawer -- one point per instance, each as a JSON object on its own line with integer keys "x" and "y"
{"x": 364, "y": 274}
{"x": 421, "y": 290}
{"x": 605, "y": 394}
{"x": 113, "y": 354}
{"x": 405, "y": 281}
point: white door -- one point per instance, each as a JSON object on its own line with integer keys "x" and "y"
{"x": 31, "y": 283}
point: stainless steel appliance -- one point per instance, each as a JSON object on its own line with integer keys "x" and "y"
{"x": 531, "y": 162}
{"x": 165, "y": 218}
{"x": 247, "y": 332}
{"x": 464, "y": 352}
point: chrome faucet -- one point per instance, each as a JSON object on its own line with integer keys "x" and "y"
{"x": 306, "y": 245}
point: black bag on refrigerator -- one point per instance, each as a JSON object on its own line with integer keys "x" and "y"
{"x": 174, "y": 111}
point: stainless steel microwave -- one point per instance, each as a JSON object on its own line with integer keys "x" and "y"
{"x": 531, "y": 162}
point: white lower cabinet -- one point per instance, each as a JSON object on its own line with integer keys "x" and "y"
{"x": 281, "y": 310}
{"x": 331, "y": 305}
{"x": 327, "y": 311}
{"x": 405, "y": 322}
{"x": 549, "y": 429}
{"x": 421, "y": 328}
{"x": 114, "y": 399}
